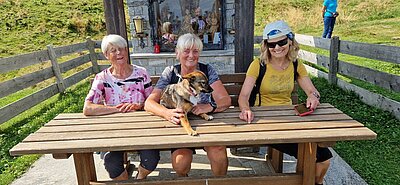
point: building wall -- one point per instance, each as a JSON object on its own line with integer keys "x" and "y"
{"x": 223, "y": 61}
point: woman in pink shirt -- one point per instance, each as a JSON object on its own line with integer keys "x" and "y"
{"x": 120, "y": 88}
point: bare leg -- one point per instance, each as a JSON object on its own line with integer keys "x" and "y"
{"x": 320, "y": 171}
{"x": 181, "y": 161}
{"x": 218, "y": 159}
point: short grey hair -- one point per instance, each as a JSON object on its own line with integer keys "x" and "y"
{"x": 189, "y": 40}
{"x": 112, "y": 39}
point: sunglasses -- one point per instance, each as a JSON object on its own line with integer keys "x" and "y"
{"x": 280, "y": 43}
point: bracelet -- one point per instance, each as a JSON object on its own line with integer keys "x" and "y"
{"x": 315, "y": 94}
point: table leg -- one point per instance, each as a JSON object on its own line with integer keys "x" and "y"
{"x": 306, "y": 161}
{"x": 84, "y": 168}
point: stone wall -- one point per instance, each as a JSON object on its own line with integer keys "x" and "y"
{"x": 223, "y": 61}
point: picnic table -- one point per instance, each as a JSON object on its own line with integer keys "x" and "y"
{"x": 79, "y": 135}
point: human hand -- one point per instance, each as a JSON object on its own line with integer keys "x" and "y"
{"x": 246, "y": 115}
{"x": 174, "y": 116}
{"x": 127, "y": 107}
{"x": 312, "y": 102}
{"x": 201, "y": 108}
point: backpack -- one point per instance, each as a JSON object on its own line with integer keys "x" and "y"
{"x": 256, "y": 88}
{"x": 177, "y": 70}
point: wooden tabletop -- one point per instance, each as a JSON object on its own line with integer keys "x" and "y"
{"x": 76, "y": 133}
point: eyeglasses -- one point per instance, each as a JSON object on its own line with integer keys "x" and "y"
{"x": 280, "y": 43}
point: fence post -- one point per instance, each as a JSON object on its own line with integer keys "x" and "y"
{"x": 333, "y": 60}
{"x": 56, "y": 68}
{"x": 93, "y": 58}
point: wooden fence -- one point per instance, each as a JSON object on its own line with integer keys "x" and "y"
{"x": 56, "y": 70}
{"x": 335, "y": 46}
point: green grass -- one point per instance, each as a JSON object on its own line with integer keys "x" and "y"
{"x": 377, "y": 160}
{"x": 30, "y": 25}
{"x": 16, "y": 129}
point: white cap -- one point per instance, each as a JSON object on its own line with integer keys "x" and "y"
{"x": 277, "y": 29}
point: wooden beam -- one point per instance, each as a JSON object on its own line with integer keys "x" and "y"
{"x": 84, "y": 168}
{"x": 115, "y": 19}
{"x": 244, "y": 42}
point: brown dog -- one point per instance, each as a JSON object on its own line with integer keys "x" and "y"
{"x": 184, "y": 95}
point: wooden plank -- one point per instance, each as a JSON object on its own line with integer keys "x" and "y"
{"x": 179, "y": 141}
{"x": 316, "y": 72}
{"x": 282, "y": 179}
{"x": 382, "y": 79}
{"x": 289, "y": 179}
{"x": 366, "y": 96}
{"x": 229, "y": 110}
{"x": 276, "y": 158}
{"x": 12, "y": 110}
{"x": 77, "y": 77}
{"x": 73, "y": 63}
{"x": 372, "y": 51}
{"x": 232, "y": 78}
{"x": 59, "y": 135}
{"x": 56, "y": 69}
{"x": 333, "y": 60}
{"x": 93, "y": 58}
{"x": 314, "y": 58}
{"x": 100, "y": 56}
{"x": 69, "y": 49}
{"x": 25, "y": 81}
{"x": 139, "y": 122}
{"x": 310, "y": 153}
{"x": 313, "y": 41}
{"x": 84, "y": 168}
{"x": 24, "y": 60}
{"x": 373, "y": 99}
{"x": 244, "y": 23}
{"x": 300, "y": 158}
{"x": 233, "y": 89}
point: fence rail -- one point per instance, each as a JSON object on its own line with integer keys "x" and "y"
{"x": 56, "y": 70}
{"x": 335, "y": 46}
{"x": 384, "y": 53}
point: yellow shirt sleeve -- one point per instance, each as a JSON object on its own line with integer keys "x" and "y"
{"x": 253, "y": 69}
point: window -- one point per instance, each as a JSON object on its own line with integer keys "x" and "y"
{"x": 177, "y": 17}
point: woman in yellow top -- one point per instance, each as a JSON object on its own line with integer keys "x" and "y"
{"x": 279, "y": 51}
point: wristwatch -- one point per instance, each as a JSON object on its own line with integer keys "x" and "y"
{"x": 315, "y": 94}
{"x": 213, "y": 105}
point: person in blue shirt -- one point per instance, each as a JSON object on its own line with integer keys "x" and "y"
{"x": 329, "y": 14}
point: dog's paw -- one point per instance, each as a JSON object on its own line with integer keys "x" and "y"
{"x": 210, "y": 118}
{"x": 193, "y": 133}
